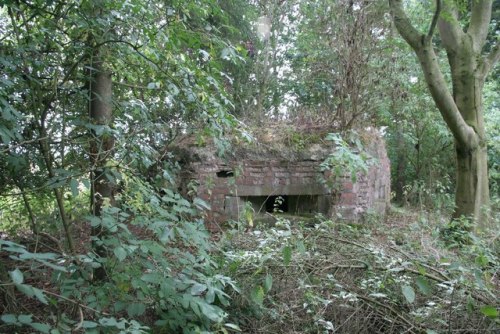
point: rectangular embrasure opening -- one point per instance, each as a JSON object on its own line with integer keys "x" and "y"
{"x": 291, "y": 204}
{"x": 225, "y": 173}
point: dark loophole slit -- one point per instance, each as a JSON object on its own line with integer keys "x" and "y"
{"x": 225, "y": 173}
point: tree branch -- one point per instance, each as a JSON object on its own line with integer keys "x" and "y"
{"x": 479, "y": 23}
{"x": 434, "y": 19}
{"x": 10, "y": 148}
{"x": 438, "y": 87}
{"x": 450, "y": 31}
{"x": 462, "y": 132}
{"x": 491, "y": 59}
{"x": 403, "y": 24}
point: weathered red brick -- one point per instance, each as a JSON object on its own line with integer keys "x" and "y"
{"x": 348, "y": 198}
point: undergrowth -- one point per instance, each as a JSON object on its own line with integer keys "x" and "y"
{"x": 348, "y": 278}
{"x": 398, "y": 275}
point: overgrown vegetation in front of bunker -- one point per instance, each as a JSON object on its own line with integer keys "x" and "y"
{"x": 316, "y": 278}
{"x": 162, "y": 276}
{"x": 349, "y": 278}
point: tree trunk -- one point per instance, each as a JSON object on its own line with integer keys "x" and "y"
{"x": 472, "y": 193}
{"x": 401, "y": 168}
{"x": 101, "y": 113}
{"x": 101, "y": 149}
{"x": 47, "y": 157}
{"x": 463, "y": 110}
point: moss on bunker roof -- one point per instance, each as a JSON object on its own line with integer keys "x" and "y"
{"x": 268, "y": 143}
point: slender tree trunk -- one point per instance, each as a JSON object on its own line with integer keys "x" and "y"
{"x": 102, "y": 146}
{"x": 401, "y": 166}
{"x": 27, "y": 205}
{"x": 101, "y": 149}
{"x": 45, "y": 150}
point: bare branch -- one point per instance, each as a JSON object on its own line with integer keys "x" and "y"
{"x": 10, "y": 148}
{"x": 434, "y": 19}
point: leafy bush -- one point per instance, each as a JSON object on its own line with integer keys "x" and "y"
{"x": 457, "y": 232}
{"x": 346, "y": 158}
{"x": 159, "y": 267}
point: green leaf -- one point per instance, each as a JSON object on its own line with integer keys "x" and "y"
{"x": 38, "y": 256}
{"x": 152, "y": 278}
{"x": 301, "y": 247}
{"x": 173, "y": 89}
{"x": 201, "y": 204}
{"x": 9, "y": 318}
{"x": 25, "y": 319}
{"x": 26, "y": 289}
{"x": 40, "y": 296}
{"x": 409, "y": 293}
{"x": 74, "y": 187}
{"x": 153, "y": 85}
{"x": 16, "y": 276}
{"x": 108, "y": 322}
{"x": 210, "y": 296}
{"x": 257, "y": 295}
{"x": 423, "y": 285}
{"x": 136, "y": 309}
{"x": 54, "y": 266}
{"x": 287, "y": 255}
{"x": 421, "y": 269}
{"x": 6, "y": 135}
{"x": 44, "y": 328}
{"x": 166, "y": 235}
{"x": 227, "y": 53}
{"x": 211, "y": 312}
{"x": 120, "y": 253}
{"x": 86, "y": 183}
{"x": 489, "y": 311}
{"x": 482, "y": 261}
{"x": 268, "y": 283}
{"x": 89, "y": 324}
{"x": 195, "y": 307}
{"x": 197, "y": 289}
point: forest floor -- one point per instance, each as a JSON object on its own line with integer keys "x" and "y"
{"x": 396, "y": 275}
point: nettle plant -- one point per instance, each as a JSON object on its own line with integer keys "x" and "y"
{"x": 159, "y": 267}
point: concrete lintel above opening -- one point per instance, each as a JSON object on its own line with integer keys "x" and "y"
{"x": 289, "y": 189}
